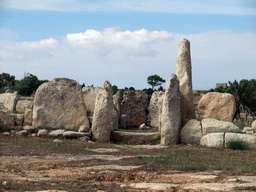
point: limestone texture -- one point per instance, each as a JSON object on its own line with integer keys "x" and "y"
{"x": 250, "y": 140}
{"x": 153, "y": 110}
{"x": 212, "y": 140}
{"x": 191, "y": 132}
{"x": 171, "y": 116}
{"x": 89, "y": 95}
{"x": 103, "y": 112}
{"x": 59, "y": 103}
{"x": 23, "y": 105}
{"x": 134, "y": 106}
{"x": 215, "y": 126}
{"x": 184, "y": 75}
{"x": 9, "y": 101}
{"x": 221, "y": 106}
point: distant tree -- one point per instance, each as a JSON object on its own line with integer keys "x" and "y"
{"x": 131, "y": 88}
{"x": 6, "y": 80}
{"x": 126, "y": 88}
{"x": 160, "y": 88}
{"x": 83, "y": 85}
{"x": 155, "y": 80}
{"x": 115, "y": 89}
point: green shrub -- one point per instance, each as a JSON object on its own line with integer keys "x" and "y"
{"x": 236, "y": 144}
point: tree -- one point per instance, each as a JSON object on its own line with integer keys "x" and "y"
{"x": 6, "y": 80}
{"x": 155, "y": 80}
{"x": 83, "y": 85}
{"x": 132, "y": 89}
{"x": 115, "y": 89}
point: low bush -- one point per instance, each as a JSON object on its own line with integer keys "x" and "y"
{"x": 236, "y": 144}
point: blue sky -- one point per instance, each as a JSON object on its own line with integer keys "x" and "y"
{"x": 125, "y": 41}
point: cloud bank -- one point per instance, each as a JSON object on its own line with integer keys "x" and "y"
{"x": 127, "y": 58}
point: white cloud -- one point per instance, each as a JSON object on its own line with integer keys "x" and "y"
{"x": 232, "y": 7}
{"x": 127, "y": 58}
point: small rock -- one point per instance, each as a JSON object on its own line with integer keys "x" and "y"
{"x": 85, "y": 138}
{"x": 56, "y": 133}
{"x": 28, "y": 128}
{"x": 42, "y": 133}
{"x": 23, "y": 132}
{"x": 84, "y": 128}
{"x": 74, "y": 134}
{"x": 6, "y": 133}
{"x": 33, "y": 135}
{"x": 57, "y": 141}
{"x": 4, "y": 183}
{"x": 143, "y": 126}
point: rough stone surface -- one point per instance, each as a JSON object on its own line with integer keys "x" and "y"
{"x": 19, "y": 118}
{"x": 42, "y": 133}
{"x": 83, "y": 128}
{"x": 59, "y": 103}
{"x": 57, "y": 141}
{"x": 191, "y": 132}
{"x": 56, "y": 133}
{"x": 28, "y": 117}
{"x": 171, "y": 116}
{"x": 117, "y": 102}
{"x": 143, "y": 126}
{"x": 153, "y": 109}
{"x": 215, "y": 105}
{"x": 160, "y": 107}
{"x": 89, "y": 95}
{"x": 184, "y": 75}
{"x": 30, "y": 129}
{"x": 6, "y": 118}
{"x": 9, "y": 101}
{"x": 123, "y": 121}
{"x": 22, "y": 132}
{"x": 134, "y": 105}
{"x": 114, "y": 119}
{"x": 74, "y": 134}
{"x": 24, "y": 104}
{"x": 215, "y": 126}
{"x": 102, "y": 117}
{"x": 250, "y": 140}
{"x": 135, "y": 138}
{"x": 85, "y": 138}
{"x": 212, "y": 140}
{"x": 254, "y": 126}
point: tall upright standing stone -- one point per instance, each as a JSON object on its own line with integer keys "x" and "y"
{"x": 102, "y": 116}
{"x": 184, "y": 74}
{"x": 171, "y": 115}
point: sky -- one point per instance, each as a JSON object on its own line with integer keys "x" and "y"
{"x": 125, "y": 41}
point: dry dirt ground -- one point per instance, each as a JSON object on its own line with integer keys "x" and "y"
{"x": 29, "y": 169}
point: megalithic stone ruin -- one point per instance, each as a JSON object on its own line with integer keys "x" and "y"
{"x": 170, "y": 116}
{"x": 102, "y": 116}
{"x": 184, "y": 74}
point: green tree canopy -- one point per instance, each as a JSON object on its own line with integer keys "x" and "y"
{"x": 6, "y": 80}
{"x": 155, "y": 80}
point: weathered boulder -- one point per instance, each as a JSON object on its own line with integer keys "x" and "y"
{"x": 254, "y": 126}
{"x": 135, "y": 138}
{"x": 213, "y": 140}
{"x": 30, "y": 129}
{"x": 215, "y": 126}
{"x": 134, "y": 105}
{"x": 9, "y": 101}
{"x": 153, "y": 109}
{"x": 160, "y": 107}
{"x": 184, "y": 75}
{"x": 144, "y": 127}
{"x": 85, "y": 138}
{"x": 59, "y": 103}
{"x": 215, "y": 105}
{"x": 24, "y": 104}
{"x": 56, "y": 133}
{"x": 250, "y": 140}
{"x": 191, "y": 132}
{"x": 74, "y": 134}
{"x": 102, "y": 117}
{"x": 114, "y": 119}
{"x": 83, "y": 128}
{"x": 22, "y": 132}
{"x": 18, "y": 118}
{"x": 42, "y": 133}
{"x": 117, "y": 102}
{"x": 6, "y": 118}
{"x": 28, "y": 117}
{"x": 89, "y": 96}
{"x": 171, "y": 116}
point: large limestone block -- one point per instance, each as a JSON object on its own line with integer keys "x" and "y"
{"x": 117, "y": 102}
{"x": 74, "y": 134}
{"x": 250, "y": 140}
{"x": 135, "y": 138}
{"x": 215, "y": 126}
{"x": 160, "y": 107}
{"x": 134, "y": 105}
{"x": 28, "y": 117}
{"x": 9, "y": 101}
{"x": 215, "y": 105}
{"x": 6, "y": 118}
{"x": 24, "y": 104}
{"x": 191, "y": 132}
{"x": 59, "y": 103}
{"x": 213, "y": 140}
{"x": 19, "y": 118}
{"x": 102, "y": 117}
{"x": 171, "y": 116}
{"x": 89, "y": 95}
{"x": 184, "y": 74}
{"x": 153, "y": 115}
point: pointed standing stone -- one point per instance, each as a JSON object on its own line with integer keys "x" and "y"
{"x": 184, "y": 74}
{"x": 102, "y": 117}
{"x": 171, "y": 116}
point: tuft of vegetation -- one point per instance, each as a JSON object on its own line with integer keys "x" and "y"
{"x": 236, "y": 144}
